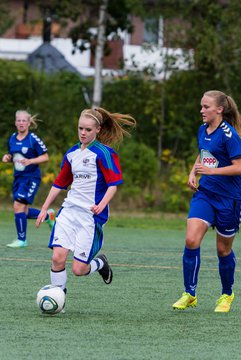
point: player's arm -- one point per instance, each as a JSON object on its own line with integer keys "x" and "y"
{"x": 7, "y": 158}
{"x": 38, "y": 160}
{"x": 111, "y": 191}
{"x": 63, "y": 180}
{"x": 111, "y": 171}
{"x": 231, "y": 170}
{"x": 54, "y": 192}
{"x": 192, "y": 182}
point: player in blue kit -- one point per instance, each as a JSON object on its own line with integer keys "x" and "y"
{"x": 26, "y": 150}
{"x": 92, "y": 170}
{"x": 217, "y": 200}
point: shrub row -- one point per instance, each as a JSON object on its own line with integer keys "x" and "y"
{"x": 151, "y": 181}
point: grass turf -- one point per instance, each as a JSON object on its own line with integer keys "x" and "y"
{"x": 130, "y": 319}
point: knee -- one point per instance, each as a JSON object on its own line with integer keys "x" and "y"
{"x": 18, "y": 207}
{"x": 223, "y": 251}
{"x": 58, "y": 261}
{"x": 191, "y": 243}
{"x": 80, "y": 269}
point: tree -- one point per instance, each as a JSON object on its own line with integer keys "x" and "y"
{"x": 211, "y": 30}
{"x": 99, "y": 53}
{"x": 108, "y": 17}
{"x": 5, "y": 19}
{"x": 215, "y": 35}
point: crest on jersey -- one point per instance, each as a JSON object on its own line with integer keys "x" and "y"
{"x": 24, "y": 150}
{"x": 86, "y": 161}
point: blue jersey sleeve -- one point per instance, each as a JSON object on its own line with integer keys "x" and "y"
{"x": 218, "y": 149}
{"x": 38, "y": 145}
{"x": 233, "y": 146}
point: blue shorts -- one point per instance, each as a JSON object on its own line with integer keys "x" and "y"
{"x": 24, "y": 189}
{"x": 220, "y": 212}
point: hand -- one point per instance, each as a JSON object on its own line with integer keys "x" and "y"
{"x": 97, "y": 209}
{"x": 192, "y": 183}
{"x": 204, "y": 170}
{"x": 26, "y": 162}
{"x": 7, "y": 158}
{"x": 41, "y": 218}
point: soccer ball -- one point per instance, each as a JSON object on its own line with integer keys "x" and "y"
{"x": 50, "y": 299}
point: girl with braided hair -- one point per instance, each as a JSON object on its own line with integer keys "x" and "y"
{"x": 92, "y": 170}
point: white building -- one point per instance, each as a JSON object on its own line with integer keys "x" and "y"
{"x": 139, "y": 50}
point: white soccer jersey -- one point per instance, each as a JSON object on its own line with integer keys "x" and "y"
{"x": 89, "y": 172}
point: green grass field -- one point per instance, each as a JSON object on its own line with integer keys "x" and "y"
{"x": 130, "y": 319}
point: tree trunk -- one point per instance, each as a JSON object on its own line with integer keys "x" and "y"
{"x": 164, "y": 55}
{"x": 99, "y": 53}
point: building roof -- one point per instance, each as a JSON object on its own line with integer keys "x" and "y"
{"x": 48, "y": 59}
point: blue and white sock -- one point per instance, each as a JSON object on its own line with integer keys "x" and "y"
{"x": 191, "y": 266}
{"x": 34, "y": 213}
{"x": 226, "y": 271}
{"x": 21, "y": 225}
{"x": 95, "y": 265}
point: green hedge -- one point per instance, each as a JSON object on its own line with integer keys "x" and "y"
{"x": 149, "y": 182}
{"x": 143, "y": 188}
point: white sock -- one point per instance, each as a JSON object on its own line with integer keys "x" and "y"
{"x": 59, "y": 278}
{"x": 96, "y": 264}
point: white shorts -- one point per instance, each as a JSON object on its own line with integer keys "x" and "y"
{"x": 79, "y": 232}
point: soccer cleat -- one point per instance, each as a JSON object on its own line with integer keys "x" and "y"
{"x": 18, "y": 244}
{"x": 51, "y": 219}
{"x": 223, "y": 304}
{"x": 106, "y": 271}
{"x": 185, "y": 301}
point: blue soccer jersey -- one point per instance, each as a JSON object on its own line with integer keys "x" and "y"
{"x": 30, "y": 147}
{"x": 218, "y": 149}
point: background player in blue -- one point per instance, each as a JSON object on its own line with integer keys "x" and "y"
{"x": 26, "y": 150}
{"x": 92, "y": 169}
{"x": 216, "y": 201}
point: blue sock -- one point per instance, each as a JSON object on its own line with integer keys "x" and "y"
{"x": 226, "y": 271}
{"x": 191, "y": 263}
{"x": 34, "y": 213}
{"x": 21, "y": 225}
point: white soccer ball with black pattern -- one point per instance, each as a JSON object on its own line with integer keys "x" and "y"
{"x": 50, "y": 299}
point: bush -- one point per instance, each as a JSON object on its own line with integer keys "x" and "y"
{"x": 57, "y": 99}
{"x": 163, "y": 111}
{"x": 173, "y": 186}
{"x": 140, "y": 174}
{"x": 6, "y": 179}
